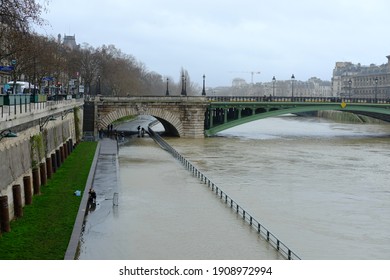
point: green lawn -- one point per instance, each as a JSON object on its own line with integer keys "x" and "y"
{"x": 44, "y": 231}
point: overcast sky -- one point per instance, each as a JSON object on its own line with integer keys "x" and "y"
{"x": 224, "y": 39}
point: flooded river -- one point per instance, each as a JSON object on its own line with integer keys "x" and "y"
{"x": 321, "y": 187}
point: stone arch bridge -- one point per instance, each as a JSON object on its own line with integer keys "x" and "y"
{"x": 199, "y": 116}
{"x": 181, "y": 116}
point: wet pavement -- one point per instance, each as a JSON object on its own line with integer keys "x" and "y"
{"x": 163, "y": 212}
{"x": 105, "y": 184}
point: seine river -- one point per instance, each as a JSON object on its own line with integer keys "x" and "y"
{"x": 321, "y": 187}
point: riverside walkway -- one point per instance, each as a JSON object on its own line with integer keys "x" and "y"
{"x": 103, "y": 178}
{"x": 155, "y": 220}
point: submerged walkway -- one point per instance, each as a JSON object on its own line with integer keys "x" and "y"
{"x": 163, "y": 212}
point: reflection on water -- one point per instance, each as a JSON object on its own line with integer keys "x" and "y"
{"x": 165, "y": 213}
{"x": 321, "y": 187}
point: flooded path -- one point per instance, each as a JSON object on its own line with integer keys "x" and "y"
{"x": 165, "y": 213}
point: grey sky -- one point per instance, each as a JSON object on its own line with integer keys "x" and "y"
{"x": 221, "y": 38}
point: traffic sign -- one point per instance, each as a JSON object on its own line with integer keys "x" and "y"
{"x": 48, "y": 78}
{"x": 6, "y": 68}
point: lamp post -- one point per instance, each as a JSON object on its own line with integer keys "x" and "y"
{"x": 350, "y": 87}
{"x": 167, "y": 92}
{"x": 183, "y": 85}
{"x": 99, "y": 85}
{"x": 13, "y": 62}
{"x": 7, "y": 133}
{"x": 204, "y": 83}
{"x": 376, "y": 89}
{"x": 292, "y": 86}
{"x": 273, "y": 86}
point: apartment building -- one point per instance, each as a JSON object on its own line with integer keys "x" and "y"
{"x": 358, "y": 81}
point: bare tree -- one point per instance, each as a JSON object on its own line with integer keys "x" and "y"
{"x": 16, "y": 18}
{"x": 90, "y": 67}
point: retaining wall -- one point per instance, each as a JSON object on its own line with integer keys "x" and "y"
{"x": 29, "y": 159}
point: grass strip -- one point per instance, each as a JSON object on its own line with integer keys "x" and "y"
{"x": 44, "y": 231}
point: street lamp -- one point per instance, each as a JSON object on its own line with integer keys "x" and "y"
{"x": 376, "y": 89}
{"x": 99, "y": 85}
{"x": 167, "y": 92}
{"x": 45, "y": 122}
{"x": 273, "y": 86}
{"x": 204, "y": 83}
{"x": 13, "y": 62}
{"x": 7, "y": 133}
{"x": 292, "y": 86}
{"x": 183, "y": 85}
{"x": 350, "y": 87}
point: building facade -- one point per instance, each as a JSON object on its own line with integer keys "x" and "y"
{"x": 357, "y": 81}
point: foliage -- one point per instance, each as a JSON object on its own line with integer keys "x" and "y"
{"x": 37, "y": 149}
{"x": 76, "y": 111}
{"x": 16, "y": 18}
{"x": 44, "y": 231}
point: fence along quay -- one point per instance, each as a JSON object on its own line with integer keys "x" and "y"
{"x": 260, "y": 229}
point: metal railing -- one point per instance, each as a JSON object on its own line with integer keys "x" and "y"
{"x": 23, "y": 107}
{"x": 255, "y": 224}
{"x": 296, "y": 99}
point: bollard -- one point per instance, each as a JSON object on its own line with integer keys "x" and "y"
{"x": 27, "y": 190}
{"x": 58, "y": 157}
{"x": 71, "y": 144}
{"x": 66, "y": 150}
{"x": 36, "y": 183}
{"x": 17, "y": 196}
{"x": 42, "y": 172}
{"x": 67, "y": 147}
{"x": 49, "y": 169}
{"x": 4, "y": 214}
{"x": 62, "y": 154}
{"x": 54, "y": 162}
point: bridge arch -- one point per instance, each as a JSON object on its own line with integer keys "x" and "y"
{"x": 171, "y": 123}
{"x": 267, "y": 111}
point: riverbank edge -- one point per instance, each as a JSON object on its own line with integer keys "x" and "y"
{"x": 73, "y": 245}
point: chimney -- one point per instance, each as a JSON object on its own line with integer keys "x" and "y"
{"x": 388, "y": 63}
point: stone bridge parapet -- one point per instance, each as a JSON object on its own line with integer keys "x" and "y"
{"x": 180, "y": 116}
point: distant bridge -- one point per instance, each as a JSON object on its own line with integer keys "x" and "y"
{"x": 199, "y": 116}
{"x": 227, "y": 112}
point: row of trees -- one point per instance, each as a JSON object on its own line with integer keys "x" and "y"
{"x": 44, "y": 60}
